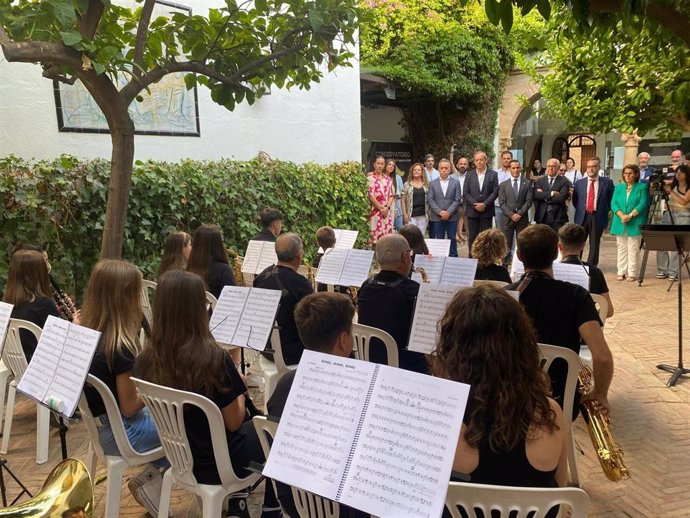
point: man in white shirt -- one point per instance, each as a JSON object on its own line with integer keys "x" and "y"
{"x": 503, "y": 174}
{"x": 460, "y": 172}
{"x": 431, "y": 172}
{"x": 444, "y": 198}
{"x": 480, "y": 193}
{"x": 645, "y": 170}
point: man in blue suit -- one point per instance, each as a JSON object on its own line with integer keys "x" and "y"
{"x": 444, "y": 198}
{"x": 481, "y": 191}
{"x": 592, "y": 199}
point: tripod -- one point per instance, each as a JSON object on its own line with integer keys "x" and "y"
{"x": 667, "y": 238}
{"x": 654, "y": 206}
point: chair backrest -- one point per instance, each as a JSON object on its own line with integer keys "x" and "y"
{"x": 114, "y": 417}
{"x": 550, "y": 353}
{"x": 211, "y": 301}
{"x": 148, "y": 288}
{"x": 12, "y": 352}
{"x": 308, "y": 505}
{"x": 481, "y": 282}
{"x": 91, "y": 427}
{"x": 362, "y": 335}
{"x": 278, "y": 358}
{"x": 515, "y": 502}
{"x": 602, "y": 306}
{"x": 167, "y": 409}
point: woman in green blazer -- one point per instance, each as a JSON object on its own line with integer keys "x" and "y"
{"x": 629, "y": 207}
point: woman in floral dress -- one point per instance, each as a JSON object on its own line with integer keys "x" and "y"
{"x": 381, "y": 197}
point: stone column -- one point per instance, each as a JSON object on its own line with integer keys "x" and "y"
{"x": 631, "y": 142}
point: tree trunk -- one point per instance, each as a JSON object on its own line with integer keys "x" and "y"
{"x": 122, "y": 160}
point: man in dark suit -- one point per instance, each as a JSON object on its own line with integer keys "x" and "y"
{"x": 550, "y": 194}
{"x": 514, "y": 199}
{"x": 592, "y": 200}
{"x": 481, "y": 191}
{"x": 444, "y": 198}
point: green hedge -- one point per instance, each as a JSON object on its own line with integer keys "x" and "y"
{"x": 62, "y": 203}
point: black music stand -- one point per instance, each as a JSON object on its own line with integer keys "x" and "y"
{"x": 671, "y": 238}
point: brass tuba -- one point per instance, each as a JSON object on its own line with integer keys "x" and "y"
{"x": 236, "y": 266}
{"x": 608, "y": 451}
{"x": 68, "y": 491}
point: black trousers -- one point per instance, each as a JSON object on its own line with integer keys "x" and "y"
{"x": 594, "y": 233}
{"x": 475, "y": 225}
{"x": 511, "y": 229}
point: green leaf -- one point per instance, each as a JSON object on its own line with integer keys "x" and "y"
{"x": 315, "y": 20}
{"x": 64, "y": 12}
{"x": 492, "y": 11}
{"x": 70, "y": 38}
{"x": 506, "y": 12}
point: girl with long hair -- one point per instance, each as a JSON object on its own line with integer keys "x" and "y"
{"x": 513, "y": 433}
{"x": 176, "y": 252}
{"x": 183, "y": 354}
{"x": 112, "y": 306}
{"x": 209, "y": 259}
{"x": 28, "y": 288}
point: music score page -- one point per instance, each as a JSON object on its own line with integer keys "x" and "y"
{"x": 342, "y": 267}
{"x": 432, "y": 300}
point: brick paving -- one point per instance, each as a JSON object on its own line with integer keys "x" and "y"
{"x": 652, "y": 421}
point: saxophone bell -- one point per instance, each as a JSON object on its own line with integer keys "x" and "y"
{"x": 421, "y": 271}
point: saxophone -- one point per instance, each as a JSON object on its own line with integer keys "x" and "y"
{"x": 421, "y": 271}
{"x": 311, "y": 277}
{"x": 609, "y": 452}
{"x": 236, "y": 266}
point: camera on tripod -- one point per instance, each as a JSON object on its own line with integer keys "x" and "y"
{"x": 656, "y": 179}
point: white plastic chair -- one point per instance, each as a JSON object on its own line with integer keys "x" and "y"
{"x": 361, "y": 338}
{"x": 211, "y": 301}
{"x": 167, "y": 409}
{"x": 13, "y": 357}
{"x": 115, "y": 465}
{"x": 148, "y": 288}
{"x": 550, "y": 353}
{"x": 5, "y": 375}
{"x": 481, "y": 282}
{"x": 272, "y": 371}
{"x": 523, "y": 502}
{"x": 308, "y": 505}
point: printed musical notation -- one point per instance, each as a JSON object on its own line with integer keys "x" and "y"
{"x": 244, "y": 316}
{"x": 432, "y": 300}
{"x": 259, "y": 256}
{"x": 5, "y": 314}
{"x": 60, "y": 363}
{"x": 438, "y": 247}
{"x": 342, "y": 267}
{"x": 573, "y": 273}
{"x": 345, "y": 238}
{"x": 357, "y": 433}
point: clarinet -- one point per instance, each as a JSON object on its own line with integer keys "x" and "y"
{"x": 65, "y": 305}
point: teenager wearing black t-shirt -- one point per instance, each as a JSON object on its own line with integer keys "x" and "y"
{"x": 563, "y": 313}
{"x": 183, "y": 354}
{"x": 209, "y": 259}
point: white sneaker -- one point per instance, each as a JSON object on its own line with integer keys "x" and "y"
{"x": 146, "y": 489}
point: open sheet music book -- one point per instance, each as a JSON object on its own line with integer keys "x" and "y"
{"x": 58, "y": 368}
{"x": 573, "y": 273}
{"x": 245, "y": 316}
{"x": 259, "y": 256}
{"x": 372, "y": 437}
{"x": 438, "y": 247}
{"x": 5, "y": 314}
{"x": 458, "y": 271}
{"x": 432, "y": 300}
{"x": 343, "y": 239}
{"x": 341, "y": 267}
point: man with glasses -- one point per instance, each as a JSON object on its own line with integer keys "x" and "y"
{"x": 387, "y": 300}
{"x": 551, "y": 192}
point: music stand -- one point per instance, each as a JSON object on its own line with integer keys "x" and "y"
{"x": 671, "y": 238}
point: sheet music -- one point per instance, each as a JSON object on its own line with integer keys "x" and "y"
{"x": 573, "y": 273}
{"x": 431, "y": 305}
{"x": 345, "y": 238}
{"x": 357, "y": 266}
{"x": 331, "y": 266}
{"x": 438, "y": 247}
{"x": 319, "y": 422}
{"x": 244, "y": 316}
{"x": 5, "y": 315}
{"x": 259, "y": 256}
{"x": 516, "y": 267}
{"x": 432, "y": 264}
{"x": 404, "y": 455}
{"x": 59, "y": 366}
{"x": 459, "y": 271}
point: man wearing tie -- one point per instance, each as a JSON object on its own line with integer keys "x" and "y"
{"x": 444, "y": 198}
{"x": 514, "y": 200}
{"x": 551, "y": 191}
{"x": 592, "y": 199}
{"x": 645, "y": 170}
{"x": 481, "y": 191}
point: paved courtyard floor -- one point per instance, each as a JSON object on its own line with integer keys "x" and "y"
{"x": 652, "y": 421}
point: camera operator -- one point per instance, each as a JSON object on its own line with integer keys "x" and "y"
{"x": 678, "y": 212}
{"x": 661, "y": 181}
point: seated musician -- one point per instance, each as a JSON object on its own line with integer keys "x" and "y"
{"x": 562, "y": 313}
{"x": 324, "y": 321}
{"x": 489, "y": 248}
{"x": 283, "y": 276}
{"x": 387, "y": 300}
{"x": 513, "y": 434}
{"x": 325, "y": 238}
{"x": 571, "y": 242}
{"x": 271, "y": 225}
{"x": 415, "y": 239}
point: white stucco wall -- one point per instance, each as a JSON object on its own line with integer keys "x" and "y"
{"x": 320, "y": 125}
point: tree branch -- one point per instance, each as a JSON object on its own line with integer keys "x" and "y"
{"x": 89, "y": 22}
{"x": 53, "y": 72}
{"x": 142, "y": 31}
{"x": 664, "y": 15}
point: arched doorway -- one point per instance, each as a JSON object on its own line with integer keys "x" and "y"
{"x": 581, "y": 147}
